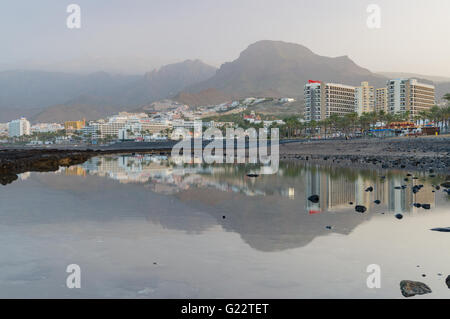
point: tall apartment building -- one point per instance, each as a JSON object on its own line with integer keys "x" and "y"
{"x": 325, "y": 99}
{"x": 313, "y": 101}
{"x": 381, "y": 100}
{"x": 19, "y": 127}
{"x": 364, "y": 98}
{"x": 409, "y": 95}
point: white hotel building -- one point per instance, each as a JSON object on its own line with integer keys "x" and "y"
{"x": 401, "y": 95}
{"x": 409, "y": 95}
{"x": 19, "y": 127}
{"x": 325, "y": 99}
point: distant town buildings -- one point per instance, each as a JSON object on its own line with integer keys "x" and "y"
{"x": 46, "y": 127}
{"x": 19, "y": 127}
{"x": 124, "y": 126}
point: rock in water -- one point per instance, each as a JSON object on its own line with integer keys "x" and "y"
{"x": 426, "y": 206}
{"x": 369, "y": 189}
{"x": 447, "y": 281}
{"x": 314, "y": 198}
{"x": 411, "y": 288}
{"x": 360, "y": 208}
{"x": 252, "y": 175}
{"x": 446, "y": 185}
{"x": 377, "y": 201}
{"x": 399, "y": 216}
{"x": 443, "y": 230}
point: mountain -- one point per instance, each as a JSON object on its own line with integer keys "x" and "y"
{"x": 264, "y": 69}
{"x": 54, "y": 96}
{"x": 166, "y": 82}
{"x": 26, "y": 93}
{"x": 442, "y": 89}
{"x": 275, "y": 68}
{"x": 205, "y": 97}
{"x": 433, "y": 78}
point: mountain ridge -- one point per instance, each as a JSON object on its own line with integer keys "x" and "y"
{"x": 265, "y": 68}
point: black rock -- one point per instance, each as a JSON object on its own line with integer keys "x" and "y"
{"x": 314, "y": 198}
{"x": 369, "y": 189}
{"x": 417, "y": 205}
{"x": 447, "y": 281}
{"x": 360, "y": 208}
{"x": 411, "y": 288}
{"x": 223, "y": 217}
{"x": 426, "y": 206}
{"x": 252, "y": 175}
{"x": 399, "y": 216}
{"x": 377, "y": 201}
{"x": 446, "y": 184}
{"x": 351, "y": 203}
{"x": 328, "y": 227}
{"x": 442, "y": 230}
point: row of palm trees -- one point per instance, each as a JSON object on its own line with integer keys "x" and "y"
{"x": 351, "y": 123}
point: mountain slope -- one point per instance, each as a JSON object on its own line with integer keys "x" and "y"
{"x": 433, "y": 78}
{"x": 280, "y": 68}
{"x": 138, "y": 91}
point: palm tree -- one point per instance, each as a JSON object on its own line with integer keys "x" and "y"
{"x": 312, "y": 125}
{"x": 447, "y": 97}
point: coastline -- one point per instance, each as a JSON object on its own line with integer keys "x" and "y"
{"x": 406, "y": 153}
{"x": 430, "y": 154}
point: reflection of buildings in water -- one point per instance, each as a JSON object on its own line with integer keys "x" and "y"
{"x": 75, "y": 171}
{"x": 337, "y": 192}
{"x": 24, "y": 176}
{"x": 334, "y": 193}
{"x": 424, "y": 196}
{"x": 163, "y": 177}
{"x": 399, "y": 199}
{"x": 335, "y": 189}
{"x": 289, "y": 192}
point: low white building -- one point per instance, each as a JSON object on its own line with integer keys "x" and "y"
{"x": 46, "y": 127}
{"x": 19, "y": 127}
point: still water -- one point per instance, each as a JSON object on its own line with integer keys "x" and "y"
{"x": 142, "y": 227}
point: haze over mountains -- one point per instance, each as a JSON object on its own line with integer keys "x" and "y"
{"x": 265, "y": 68}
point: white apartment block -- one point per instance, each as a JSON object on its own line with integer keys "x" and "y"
{"x": 323, "y": 100}
{"x": 364, "y": 98}
{"x": 19, "y": 127}
{"x": 409, "y": 95}
{"x": 313, "y": 101}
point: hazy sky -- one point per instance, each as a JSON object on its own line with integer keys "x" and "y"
{"x": 134, "y": 34}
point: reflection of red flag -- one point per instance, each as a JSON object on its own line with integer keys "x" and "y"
{"x": 312, "y": 212}
{"x": 312, "y": 81}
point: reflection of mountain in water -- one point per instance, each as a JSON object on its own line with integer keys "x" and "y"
{"x": 270, "y": 212}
